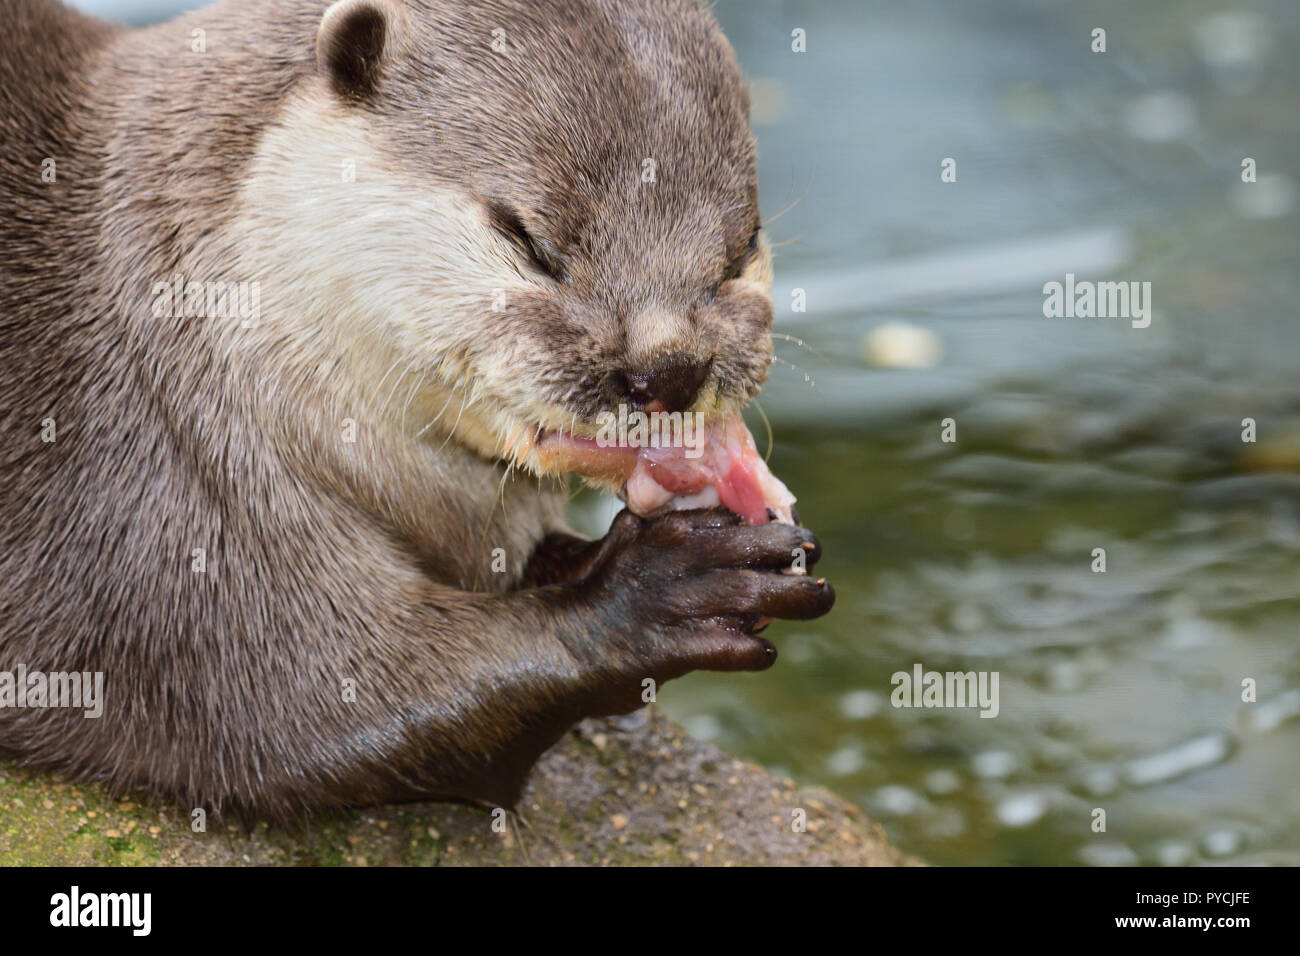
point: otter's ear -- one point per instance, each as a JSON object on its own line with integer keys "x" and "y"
{"x": 350, "y": 45}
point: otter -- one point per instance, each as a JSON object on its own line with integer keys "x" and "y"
{"x": 314, "y": 540}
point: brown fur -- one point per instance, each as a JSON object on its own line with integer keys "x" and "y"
{"x": 329, "y": 561}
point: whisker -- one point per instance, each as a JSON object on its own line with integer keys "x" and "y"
{"x": 792, "y": 203}
{"x": 409, "y": 366}
{"x": 487, "y": 525}
{"x": 418, "y": 382}
{"x": 802, "y": 344}
{"x": 450, "y": 396}
{"x": 789, "y": 242}
{"x": 806, "y": 377}
{"x": 501, "y": 493}
{"x": 455, "y": 424}
{"x": 499, "y": 500}
{"x": 380, "y": 383}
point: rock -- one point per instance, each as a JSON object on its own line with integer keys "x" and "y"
{"x": 651, "y": 795}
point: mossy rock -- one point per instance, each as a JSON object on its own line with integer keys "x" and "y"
{"x": 636, "y": 790}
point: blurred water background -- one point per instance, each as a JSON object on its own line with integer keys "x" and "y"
{"x": 1120, "y": 690}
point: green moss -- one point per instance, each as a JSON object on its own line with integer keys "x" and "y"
{"x": 642, "y": 775}
{"x": 329, "y": 856}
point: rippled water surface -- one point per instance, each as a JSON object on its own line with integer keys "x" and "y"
{"x": 1120, "y": 690}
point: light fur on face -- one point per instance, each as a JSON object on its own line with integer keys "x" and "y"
{"x": 409, "y": 282}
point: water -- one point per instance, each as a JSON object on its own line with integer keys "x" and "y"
{"x": 1122, "y": 690}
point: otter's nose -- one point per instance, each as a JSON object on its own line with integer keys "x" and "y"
{"x": 670, "y": 385}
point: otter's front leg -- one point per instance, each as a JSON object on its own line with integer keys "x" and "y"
{"x": 651, "y": 601}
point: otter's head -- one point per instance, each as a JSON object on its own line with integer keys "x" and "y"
{"x": 533, "y": 210}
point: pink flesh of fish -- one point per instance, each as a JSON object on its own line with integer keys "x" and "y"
{"x": 728, "y": 470}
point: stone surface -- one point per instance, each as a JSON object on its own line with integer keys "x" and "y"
{"x": 635, "y": 790}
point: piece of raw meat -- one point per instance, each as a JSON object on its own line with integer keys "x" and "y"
{"x": 723, "y": 467}
{"x": 729, "y": 471}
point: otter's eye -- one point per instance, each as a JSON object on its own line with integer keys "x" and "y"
{"x": 541, "y": 255}
{"x": 737, "y": 265}
{"x": 741, "y": 261}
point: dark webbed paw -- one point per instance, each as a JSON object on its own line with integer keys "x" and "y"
{"x": 559, "y": 559}
{"x": 689, "y": 590}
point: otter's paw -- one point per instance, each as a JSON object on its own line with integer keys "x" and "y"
{"x": 691, "y": 590}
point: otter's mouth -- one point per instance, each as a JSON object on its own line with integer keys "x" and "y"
{"x": 720, "y": 466}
